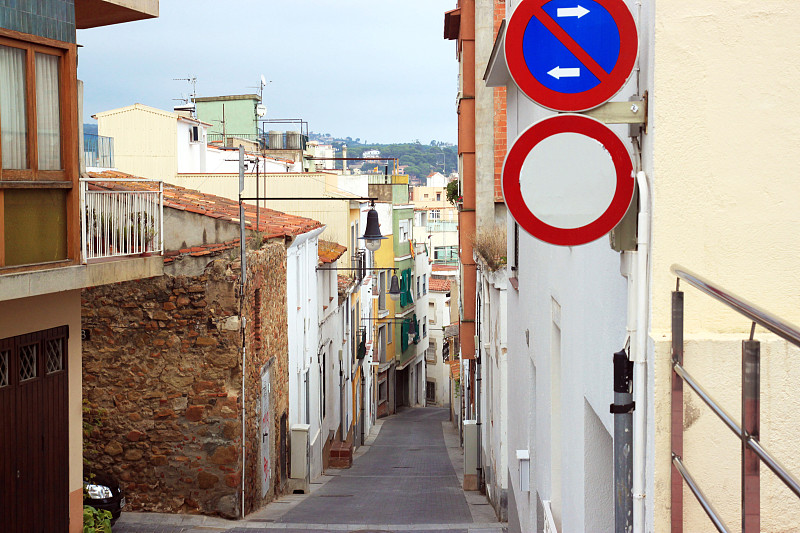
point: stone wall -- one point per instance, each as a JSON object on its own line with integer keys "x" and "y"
{"x": 162, "y": 374}
{"x": 267, "y": 346}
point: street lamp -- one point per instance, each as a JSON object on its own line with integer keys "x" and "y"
{"x": 394, "y": 288}
{"x": 372, "y": 234}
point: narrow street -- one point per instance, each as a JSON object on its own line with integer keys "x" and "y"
{"x": 403, "y": 480}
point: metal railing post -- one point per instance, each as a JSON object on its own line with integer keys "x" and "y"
{"x": 676, "y": 421}
{"x": 751, "y": 389}
{"x": 84, "y": 222}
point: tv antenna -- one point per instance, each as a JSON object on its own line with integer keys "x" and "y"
{"x": 261, "y": 86}
{"x": 193, "y": 95}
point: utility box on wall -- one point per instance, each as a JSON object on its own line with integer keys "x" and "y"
{"x": 299, "y": 469}
{"x": 470, "y": 455}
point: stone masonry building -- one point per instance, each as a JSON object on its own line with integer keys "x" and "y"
{"x": 163, "y": 365}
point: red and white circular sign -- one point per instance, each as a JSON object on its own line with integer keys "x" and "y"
{"x": 568, "y": 180}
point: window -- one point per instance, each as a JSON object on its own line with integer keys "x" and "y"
{"x": 424, "y": 284}
{"x": 438, "y": 197}
{"x": 445, "y": 254}
{"x": 4, "y": 367}
{"x": 418, "y": 287}
{"x": 36, "y": 152}
{"x": 388, "y": 333}
{"x": 382, "y": 291}
{"x": 382, "y": 344}
{"x": 406, "y": 287}
{"x": 405, "y": 230}
{"x": 383, "y": 392}
{"x": 25, "y": 146}
{"x": 435, "y": 214}
{"x": 425, "y": 196}
{"x": 33, "y": 356}
{"x": 430, "y": 354}
{"x": 424, "y": 327}
{"x": 194, "y": 134}
{"x": 430, "y": 391}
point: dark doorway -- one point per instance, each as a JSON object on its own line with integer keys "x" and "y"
{"x": 284, "y": 449}
{"x": 401, "y": 393}
{"x": 34, "y": 453}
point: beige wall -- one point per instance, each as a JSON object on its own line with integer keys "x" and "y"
{"x": 726, "y": 205}
{"x": 334, "y": 214}
{"x": 145, "y": 140}
{"x": 27, "y": 315}
{"x": 725, "y": 153}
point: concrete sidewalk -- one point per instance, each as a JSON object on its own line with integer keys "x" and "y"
{"x": 406, "y": 478}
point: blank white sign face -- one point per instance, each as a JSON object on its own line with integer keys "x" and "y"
{"x": 568, "y": 180}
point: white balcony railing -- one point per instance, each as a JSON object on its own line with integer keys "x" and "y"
{"x": 118, "y": 223}
{"x": 549, "y": 521}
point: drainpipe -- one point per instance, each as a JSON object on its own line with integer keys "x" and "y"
{"x": 640, "y": 356}
{"x": 623, "y": 408}
{"x": 243, "y": 259}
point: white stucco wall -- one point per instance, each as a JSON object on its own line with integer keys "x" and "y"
{"x": 191, "y": 154}
{"x": 569, "y": 317}
{"x": 493, "y": 327}
{"x": 303, "y": 328}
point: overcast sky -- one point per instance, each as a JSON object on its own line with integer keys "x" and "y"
{"x": 375, "y": 69}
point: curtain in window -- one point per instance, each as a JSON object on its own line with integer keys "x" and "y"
{"x": 13, "y": 123}
{"x": 48, "y": 116}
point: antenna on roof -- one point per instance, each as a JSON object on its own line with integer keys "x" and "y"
{"x": 188, "y": 101}
{"x": 261, "y": 86}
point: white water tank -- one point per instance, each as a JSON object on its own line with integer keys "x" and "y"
{"x": 293, "y": 140}
{"x": 275, "y": 140}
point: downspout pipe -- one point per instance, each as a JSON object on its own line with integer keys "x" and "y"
{"x": 242, "y": 296}
{"x": 639, "y": 356}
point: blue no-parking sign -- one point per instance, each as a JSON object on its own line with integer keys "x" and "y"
{"x": 571, "y": 55}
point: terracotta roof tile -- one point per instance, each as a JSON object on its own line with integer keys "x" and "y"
{"x": 330, "y": 251}
{"x": 444, "y": 268}
{"x": 344, "y": 282}
{"x": 439, "y": 285}
{"x": 272, "y": 223}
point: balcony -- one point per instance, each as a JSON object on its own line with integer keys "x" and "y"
{"x": 441, "y": 226}
{"x": 268, "y": 141}
{"x": 384, "y": 179}
{"x": 98, "y": 151}
{"x": 120, "y": 223}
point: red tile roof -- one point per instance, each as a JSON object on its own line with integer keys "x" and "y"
{"x": 344, "y": 282}
{"x": 439, "y": 285}
{"x": 330, "y": 251}
{"x": 198, "y": 251}
{"x": 272, "y": 223}
{"x": 444, "y": 268}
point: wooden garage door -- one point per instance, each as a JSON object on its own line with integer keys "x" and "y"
{"x": 34, "y": 461}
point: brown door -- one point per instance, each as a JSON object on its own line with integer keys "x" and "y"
{"x": 34, "y": 470}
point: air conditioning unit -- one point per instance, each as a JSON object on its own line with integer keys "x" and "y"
{"x": 299, "y": 464}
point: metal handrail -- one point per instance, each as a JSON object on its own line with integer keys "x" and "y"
{"x": 753, "y": 451}
{"x": 767, "y": 458}
{"x": 763, "y": 318}
{"x": 704, "y": 503}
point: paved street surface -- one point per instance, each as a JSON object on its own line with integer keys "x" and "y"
{"x": 407, "y": 478}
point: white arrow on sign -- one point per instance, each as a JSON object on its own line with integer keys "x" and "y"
{"x": 578, "y": 11}
{"x": 559, "y": 73}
